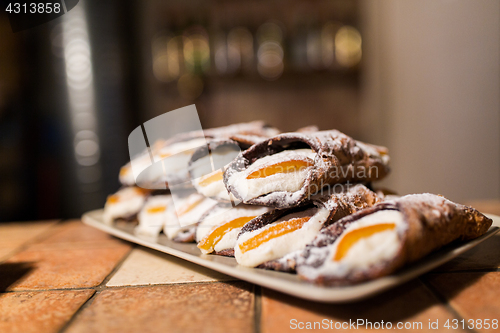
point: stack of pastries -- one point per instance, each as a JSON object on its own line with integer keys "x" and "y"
{"x": 299, "y": 202}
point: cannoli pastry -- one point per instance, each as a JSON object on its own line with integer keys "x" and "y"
{"x": 191, "y": 208}
{"x": 379, "y": 240}
{"x": 174, "y": 231}
{"x": 153, "y": 215}
{"x": 141, "y": 162}
{"x": 124, "y": 204}
{"x": 218, "y": 155}
{"x": 285, "y": 169}
{"x": 220, "y": 228}
{"x": 167, "y": 160}
{"x": 286, "y": 232}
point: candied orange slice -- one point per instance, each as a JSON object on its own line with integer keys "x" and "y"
{"x": 274, "y": 231}
{"x": 281, "y": 167}
{"x": 141, "y": 191}
{"x": 210, "y": 178}
{"x": 186, "y": 209}
{"x": 354, "y": 236}
{"x": 209, "y": 241}
{"x": 113, "y": 199}
{"x": 156, "y": 209}
{"x": 124, "y": 170}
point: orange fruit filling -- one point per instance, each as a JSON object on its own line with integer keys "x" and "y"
{"x": 186, "y": 209}
{"x": 113, "y": 199}
{"x": 274, "y": 231}
{"x": 124, "y": 170}
{"x": 156, "y": 209}
{"x": 209, "y": 241}
{"x": 211, "y": 178}
{"x": 281, "y": 167}
{"x": 354, "y": 236}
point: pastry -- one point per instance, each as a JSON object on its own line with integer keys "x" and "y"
{"x": 379, "y": 240}
{"x": 217, "y": 232}
{"x": 286, "y": 169}
{"x": 153, "y": 215}
{"x": 124, "y": 204}
{"x": 190, "y": 208}
{"x": 216, "y": 156}
{"x": 167, "y": 160}
{"x": 285, "y": 232}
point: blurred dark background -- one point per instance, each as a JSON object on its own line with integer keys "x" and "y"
{"x": 416, "y": 77}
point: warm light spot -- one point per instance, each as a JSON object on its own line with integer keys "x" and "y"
{"x": 188, "y": 207}
{"x": 210, "y": 178}
{"x": 113, "y": 199}
{"x": 282, "y": 167}
{"x": 209, "y": 241}
{"x": 157, "y": 209}
{"x": 354, "y": 236}
{"x": 348, "y": 46}
{"x": 274, "y": 231}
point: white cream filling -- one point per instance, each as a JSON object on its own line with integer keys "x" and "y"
{"x": 278, "y": 247}
{"x": 224, "y": 215}
{"x": 377, "y": 248}
{"x": 188, "y": 216}
{"x": 171, "y": 227}
{"x": 228, "y": 241}
{"x": 175, "y": 158}
{"x": 151, "y": 221}
{"x": 278, "y": 182}
{"x": 215, "y": 189}
{"x": 129, "y": 202}
{"x": 202, "y": 168}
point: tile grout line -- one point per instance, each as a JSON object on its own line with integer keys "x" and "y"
{"x": 441, "y": 298}
{"x": 257, "y": 307}
{"x": 97, "y": 290}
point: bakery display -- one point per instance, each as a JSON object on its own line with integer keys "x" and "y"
{"x": 299, "y": 202}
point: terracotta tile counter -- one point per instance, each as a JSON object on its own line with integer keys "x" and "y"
{"x": 62, "y": 276}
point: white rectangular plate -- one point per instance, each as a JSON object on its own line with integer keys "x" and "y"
{"x": 285, "y": 282}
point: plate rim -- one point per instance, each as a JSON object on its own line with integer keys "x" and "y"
{"x": 297, "y": 287}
